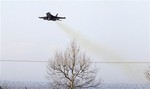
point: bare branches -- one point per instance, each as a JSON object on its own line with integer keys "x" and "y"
{"x": 71, "y": 69}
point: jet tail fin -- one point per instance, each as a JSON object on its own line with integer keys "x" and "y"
{"x": 56, "y": 14}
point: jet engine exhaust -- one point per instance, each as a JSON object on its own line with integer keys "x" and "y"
{"x": 101, "y": 51}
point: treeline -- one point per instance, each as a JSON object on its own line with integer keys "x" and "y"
{"x": 1, "y": 87}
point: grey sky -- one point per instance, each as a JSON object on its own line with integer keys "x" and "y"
{"x": 120, "y": 26}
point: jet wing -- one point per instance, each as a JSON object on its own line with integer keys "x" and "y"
{"x": 45, "y": 18}
{"x": 61, "y": 17}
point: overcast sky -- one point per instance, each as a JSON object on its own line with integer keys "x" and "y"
{"x": 105, "y": 28}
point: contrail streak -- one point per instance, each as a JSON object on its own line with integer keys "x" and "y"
{"x": 94, "y": 47}
{"x": 102, "y": 51}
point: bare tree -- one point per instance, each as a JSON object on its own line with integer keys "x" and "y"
{"x": 147, "y": 74}
{"x": 71, "y": 69}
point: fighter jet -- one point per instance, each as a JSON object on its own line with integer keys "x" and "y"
{"x": 51, "y": 17}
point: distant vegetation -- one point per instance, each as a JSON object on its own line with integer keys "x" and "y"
{"x": 3, "y": 85}
{"x": 45, "y": 85}
{"x": 147, "y": 74}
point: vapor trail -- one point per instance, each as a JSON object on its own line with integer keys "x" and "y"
{"x": 102, "y": 51}
{"x": 94, "y": 47}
